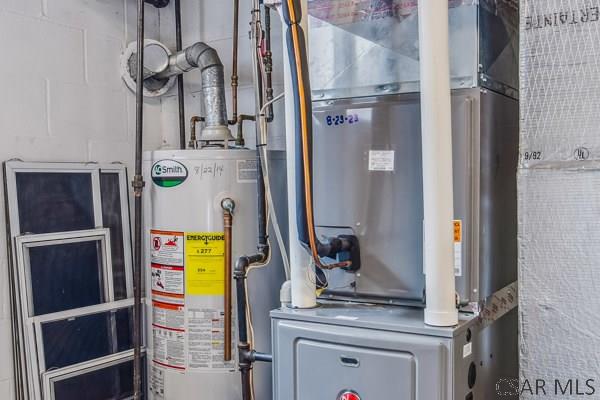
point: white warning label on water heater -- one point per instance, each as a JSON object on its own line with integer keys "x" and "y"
{"x": 247, "y": 171}
{"x": 206, "y": 335}
{"x": 157, "y": 383}
{"x": 168, "y": 316}
{"x": 166, "y": 248}
{"x": 381, "y": 160}
{"x": 169, "y": 348}
{"x": 168, "y": 334}
{"x": 167, "y": 280}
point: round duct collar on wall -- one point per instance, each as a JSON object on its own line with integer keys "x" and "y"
{"x": 156, "y": 59}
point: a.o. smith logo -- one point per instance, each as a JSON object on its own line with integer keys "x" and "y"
{"x": 169, "y": 173}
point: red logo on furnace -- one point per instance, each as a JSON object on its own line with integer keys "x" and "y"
{"x": 348, "y": 395}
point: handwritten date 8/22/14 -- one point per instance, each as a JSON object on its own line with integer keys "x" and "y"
{"x": 341, "y": 119}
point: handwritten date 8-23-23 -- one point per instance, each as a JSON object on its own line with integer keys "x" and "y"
{"x": 336, "y": 120}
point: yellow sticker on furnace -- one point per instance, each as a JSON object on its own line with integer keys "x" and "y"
{"x": 457, "y": 230}
{"x": 205, "y": 263}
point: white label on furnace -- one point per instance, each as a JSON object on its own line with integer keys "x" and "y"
{"x": 381, "y": 160}
{"x": 458, "y": 259}
{"x": 467, "y": 350}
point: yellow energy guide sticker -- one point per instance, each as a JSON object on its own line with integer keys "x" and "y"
{"x": 205, "y": 263}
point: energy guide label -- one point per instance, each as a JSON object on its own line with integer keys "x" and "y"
{"x": 205, "y": 263}
{"x": 206, "y": 340}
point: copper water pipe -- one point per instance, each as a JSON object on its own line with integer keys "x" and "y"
{"x": 268, "y": 62}
{"x": 239, "y": 140}
{"x": 228, "y": 206}
{"x": 193, "y": 140}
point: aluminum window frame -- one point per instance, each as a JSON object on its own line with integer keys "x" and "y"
{"x": 38, "y": 323}
{"x": 24, "y": 283}
{"x": 23, "y": 243}
{"x": 27, "y": 381}
{"x": 51, "y": 377}
{"x": 121, "y": 170}
{"x": 12, "y": 167}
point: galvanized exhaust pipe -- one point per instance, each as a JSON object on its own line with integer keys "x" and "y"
{"x": 200, "y": 55}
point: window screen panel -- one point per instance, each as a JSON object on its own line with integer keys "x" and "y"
{"x": 111, "y": 383}
{"x": 112, "y": 218}
{"x": 54, "y": 202}
{"x": 66, "y": 276}
{"x": 124, "y": 323}
{"x": 75, "y": 340}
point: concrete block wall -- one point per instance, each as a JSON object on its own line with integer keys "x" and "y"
{"x": 211, "y": 22}
{"x": 61, "y": 98}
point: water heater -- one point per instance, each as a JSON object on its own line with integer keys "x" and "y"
{"x": 185, "y": 258}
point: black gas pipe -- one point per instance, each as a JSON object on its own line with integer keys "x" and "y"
{"x": 268, "y": 61}
{"x": 246, "y": 355}
{"x": 180, "y": 88}
{"x": 138, "y": 188}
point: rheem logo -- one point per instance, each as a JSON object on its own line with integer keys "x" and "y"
{"x": 348, "y": 395}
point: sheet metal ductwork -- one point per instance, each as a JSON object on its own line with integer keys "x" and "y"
{"x": 204, "y": 57}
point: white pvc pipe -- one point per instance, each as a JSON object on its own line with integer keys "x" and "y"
{"x": 302, "y": 276}
{"x": 437, "y": 164}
